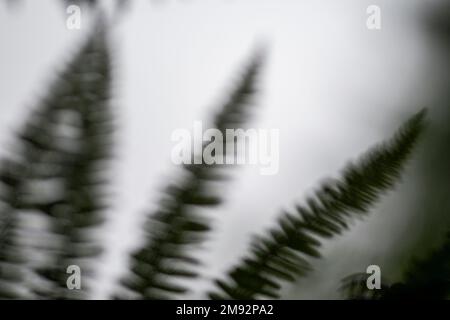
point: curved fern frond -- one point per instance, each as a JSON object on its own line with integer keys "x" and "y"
{"x": 62, "y": 151}
{"x": 177, "y": 227}
{"x": 281, "y": 254}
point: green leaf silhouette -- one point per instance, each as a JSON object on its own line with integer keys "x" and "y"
{"x": 281, "y": 253}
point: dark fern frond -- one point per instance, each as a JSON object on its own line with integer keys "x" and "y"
{"x": 177, "y": 226}
{"x": 282, "y": 253}
{"x": 79, "y": 161}
{"x": 12, "y": 272}
{"x": 62, "y": 152}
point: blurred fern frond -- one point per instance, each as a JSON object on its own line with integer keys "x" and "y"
{"x": 281, "y": 254}
{"x": 12, "y": 271}
{"x": 62, "y": 152}
{"x": 177, "y": 226}
{"x": 86, "y": 98}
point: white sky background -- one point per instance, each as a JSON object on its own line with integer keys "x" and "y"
{"x": 330, "y": 85}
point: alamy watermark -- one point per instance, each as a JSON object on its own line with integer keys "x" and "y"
{"x": 373, "y": 21}
{"x": 74, "y": 280}
{"x": 374, "y": 280}
{"x": 235, "y": 146}
{"x": 73, "y": 21}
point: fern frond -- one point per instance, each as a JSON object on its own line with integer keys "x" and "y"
{"x": 177, "y": 227}
{"x": 62, "y": 150}
{"x": 12, "y": 272}
{"x": 80, "y": 161}
{"x": 281, "y": 254}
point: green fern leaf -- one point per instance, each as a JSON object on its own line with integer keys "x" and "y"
{"x": 63, "y": 148}
{"x": 282, "y": 253}
{"x": 12, "y": 272}
{"x": 176, "y": 228}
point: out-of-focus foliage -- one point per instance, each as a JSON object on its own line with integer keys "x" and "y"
{"x": 281, "y": 253}
{"x": 57, "y": 174}
{"x": 177, "y": 225}
{"x": 427, "y": 278}
{"x": 426, "y": 273}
